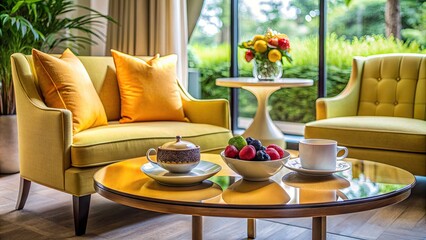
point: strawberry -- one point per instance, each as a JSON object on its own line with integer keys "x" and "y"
{"x": 231, "y": 151}
{"x": 284, "y": 43}
{"x": 249, "y": 55}
{"x": 278, "y": 149}
{"x": 273, "y": 154}
{"x": 247, "y": 153}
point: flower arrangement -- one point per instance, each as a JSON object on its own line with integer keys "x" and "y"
{"x": 269, "y": 51}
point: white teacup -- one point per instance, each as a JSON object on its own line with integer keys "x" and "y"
{"x": 320, "y": 154}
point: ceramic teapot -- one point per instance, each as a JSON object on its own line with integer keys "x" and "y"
{"x": 177, "y": 157}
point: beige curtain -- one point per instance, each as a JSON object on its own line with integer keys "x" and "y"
{"x": 193, "y": 10}
{"x": 148, "y": 27}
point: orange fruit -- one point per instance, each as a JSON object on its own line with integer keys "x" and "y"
{"x": 274, "y": 55}
{"x": 260, "y": 46}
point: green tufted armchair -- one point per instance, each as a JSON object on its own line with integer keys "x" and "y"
{"x": 381, "y": 114}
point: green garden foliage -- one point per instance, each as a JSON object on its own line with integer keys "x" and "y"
{"x": 295, "y": 104}
{"x": 366, "y": 17}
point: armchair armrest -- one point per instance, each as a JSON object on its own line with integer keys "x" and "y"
{"x": 44, "y": 134}
{"x": 346, "y": 103}
{"x": 212, "y": 111}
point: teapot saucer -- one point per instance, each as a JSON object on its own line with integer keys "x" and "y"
{"x": 198, "y": 174}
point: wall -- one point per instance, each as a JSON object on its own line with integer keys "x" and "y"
{"x": 101, "y": 6}
{"x": 98, "y": 5}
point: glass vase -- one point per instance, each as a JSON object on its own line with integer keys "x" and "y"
{"x": 265, "y": 70}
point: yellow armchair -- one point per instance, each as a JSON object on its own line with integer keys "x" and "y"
{"x": 381, "y": 113}
{"x": 51, "y": 155}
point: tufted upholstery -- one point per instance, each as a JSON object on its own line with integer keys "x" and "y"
{"x": 393, "y": 86}
{"x": 381, "y": 114}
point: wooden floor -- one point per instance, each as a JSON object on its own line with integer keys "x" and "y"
{"x": 48, "y": 215}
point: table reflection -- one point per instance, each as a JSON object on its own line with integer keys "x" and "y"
{"x": 252, "y": 193}
{"x": 207, "y": 190}
{"x": 314, "y": 189}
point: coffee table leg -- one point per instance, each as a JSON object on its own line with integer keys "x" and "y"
{"x": 319, "y": 228}
{"x": 197, "y": 227}
{"x": 251, "y": 228}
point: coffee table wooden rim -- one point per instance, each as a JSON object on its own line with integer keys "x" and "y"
{"x": 255, "y": 211}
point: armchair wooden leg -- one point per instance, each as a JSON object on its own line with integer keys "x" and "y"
{"x": 24, "y": 189}
{"x": 81, "y": 213}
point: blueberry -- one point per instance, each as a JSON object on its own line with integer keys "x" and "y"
{"x": 249, "y": 140}
{"x": 261, "y": 155}
{"x": 263, "y": 148}
{"x": 256, "y": 158}
{"x": 256, "y": 144}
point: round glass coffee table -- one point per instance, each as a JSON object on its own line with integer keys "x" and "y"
{"x": 365, "y": 186}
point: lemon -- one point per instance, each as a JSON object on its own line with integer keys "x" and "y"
{"x": 260, "y": 46}
{"x": 274, "y": 55}
{"x": 239, "y": 142}
{"x": 258, "y": 37}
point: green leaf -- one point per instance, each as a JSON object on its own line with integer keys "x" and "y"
{"x": 23, "y": 30}
{"x": 347, "y": 2}
{"x": 32, "y": 1}
{"x": 37, "y": 34}
{"x": 288, "y": 57}
{"x": 5, "y": 18}
{"x": 12, "y": 21}
{"x": 16, "y": 7}
{"x": 33, "y": 8}
{"x": 47, "y": 11}
{"x": 18, "y": 24}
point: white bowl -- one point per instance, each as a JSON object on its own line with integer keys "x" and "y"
{"x": 256, "y": 170}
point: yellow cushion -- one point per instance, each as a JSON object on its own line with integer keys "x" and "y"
{"x": 102, "y": 145}
{"x": 64, "y": 83}
{"x": 102, "y": 73}
{"x": 148, "y": 90}
{"x": 385, "y": 133}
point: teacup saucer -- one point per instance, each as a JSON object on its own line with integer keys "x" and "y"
{"x": 201, "y": 172}
{"x": 295, "y": 165}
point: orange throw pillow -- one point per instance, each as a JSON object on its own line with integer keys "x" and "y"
{"x": 65, "y": 83}
{"x": 148, "y": 90}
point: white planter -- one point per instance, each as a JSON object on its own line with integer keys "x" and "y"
{"x": 9, "y": 160}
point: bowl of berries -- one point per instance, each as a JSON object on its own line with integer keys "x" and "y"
{"x": 253, "y": 161}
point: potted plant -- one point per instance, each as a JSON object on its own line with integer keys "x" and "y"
{"x": 41, "y": 24}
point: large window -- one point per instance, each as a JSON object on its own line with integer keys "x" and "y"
{"x": 357, "y": 29}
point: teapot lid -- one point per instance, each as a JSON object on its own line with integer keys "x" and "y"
{"x": 179, "y": 144}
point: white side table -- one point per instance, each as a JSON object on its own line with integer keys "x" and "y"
{"x": 262, "y": 127}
